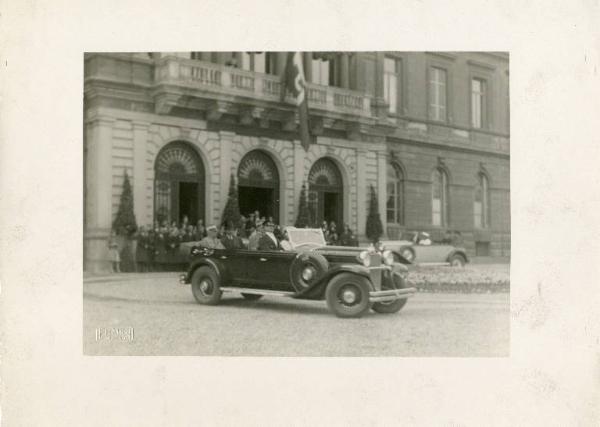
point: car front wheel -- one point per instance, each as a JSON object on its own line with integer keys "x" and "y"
{"x": 206, "y": 286}
{"x": 347, "y": 295}
{"x": 391, "y": 306}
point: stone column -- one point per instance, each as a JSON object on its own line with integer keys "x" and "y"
{"x": 382, "y": 187}
{"x": 345, "y": 70}
{"x": 99, "y": 194}
{"x": 307, "y": 59}
{"x": 281, "y": 58}
{"x": 140, "y": 141}
{"x": 361, "y": 191}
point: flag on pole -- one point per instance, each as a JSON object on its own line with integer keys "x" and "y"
{"x": 294, "y": 83}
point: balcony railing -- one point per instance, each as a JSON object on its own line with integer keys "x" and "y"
{"x": 221, "y": 79}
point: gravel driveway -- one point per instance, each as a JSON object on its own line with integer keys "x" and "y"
{"x": 167, "y": 321}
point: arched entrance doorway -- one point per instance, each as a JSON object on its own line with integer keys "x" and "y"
{"x": 178, "y": 184}
{"x": 258, "y": 185}
{"x": 325, "y": 193}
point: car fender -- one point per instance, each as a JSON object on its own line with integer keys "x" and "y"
{"x": 216, "y": 265}
{"x": 400, "y": 258}
{"x": 317, "y": 289}
{"x": 457, "y": 251}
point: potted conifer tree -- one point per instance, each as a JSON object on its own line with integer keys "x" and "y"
{"x": 125, "y": 227}
{"x": 374, "y": 226}
{"x": 303, "y": 219}
{"x": 231, "y": 213}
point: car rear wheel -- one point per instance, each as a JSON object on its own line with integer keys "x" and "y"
{"x": 206, "y": 286}
{"x": 252, "y": 297}
{"x": 347, "y": 295}
{"x": 457, "y": 261}
{"x": 408, "y": 254}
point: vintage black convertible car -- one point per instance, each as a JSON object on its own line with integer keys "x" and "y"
{"x": 351, "y": 280}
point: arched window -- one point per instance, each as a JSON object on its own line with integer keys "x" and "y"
{"x": 439, "y": 205}
{"x": 481, "y": 205}
{"x": 395, "y": 194}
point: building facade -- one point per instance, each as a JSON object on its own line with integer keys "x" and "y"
{"x": 428, "y": 130}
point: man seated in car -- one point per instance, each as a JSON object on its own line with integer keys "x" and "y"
{"x": 284, "y": 243}
{"x": 255, "y": 236}
{"x": 424, "y": 239}
{"x": 230, "y": 240}
{"x": 268, "y": 241}
{"x": 211, "y": 241}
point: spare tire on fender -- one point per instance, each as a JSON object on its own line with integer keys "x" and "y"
{"x": 312, "y": 264}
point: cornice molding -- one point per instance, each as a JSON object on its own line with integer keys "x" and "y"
{"x": 480, "y": 64}
{"x": 450, "y": 56}
{"x": 448, "y": 147}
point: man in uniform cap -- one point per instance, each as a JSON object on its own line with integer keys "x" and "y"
{"x": 211, "y": 240}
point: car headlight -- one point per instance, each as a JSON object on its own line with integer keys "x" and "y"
{"x": 365, "y": 258}
{"x": 388, "y": 257}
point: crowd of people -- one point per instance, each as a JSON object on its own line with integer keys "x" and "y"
{"x": 158, "y": 247}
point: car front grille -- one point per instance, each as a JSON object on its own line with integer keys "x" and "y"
{"x": 375, "y": 272}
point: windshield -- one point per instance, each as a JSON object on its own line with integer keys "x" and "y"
{"x": 301, "y": 236}
{"x": 408, "y": 235}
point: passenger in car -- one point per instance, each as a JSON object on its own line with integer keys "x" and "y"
{"x": 230, "y": 240}
{"x": 255, "y": 236}
{"x": 211, "y": 240}
{"x": 424, "y": 239}
{"x": 285, "y": 243}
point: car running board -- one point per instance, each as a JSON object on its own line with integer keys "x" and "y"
{"x": 257, "y": 291}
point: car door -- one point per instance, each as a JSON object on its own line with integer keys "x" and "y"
{"x": 269, "y": 270}
{"x": 431, "y": 253}
{"x": 234, "y": 261}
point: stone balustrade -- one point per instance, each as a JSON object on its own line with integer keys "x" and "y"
{"x": 221, "y": 79}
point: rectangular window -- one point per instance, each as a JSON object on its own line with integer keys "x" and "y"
{"x": 320, "y": 71}
{"x": 259, "y": 62}
{"x": 437, "y": 94}
{"x": 271, "y": 63}
{"x": 478, "y": 212}
{"x": 391, "y": 202}
{"x": 477, "y": 103}
{"x": 246, "y": 61}
{"x": 436, "y": 218}
{"x": 253, "y": 61}
{"x": 391, "y": 80}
